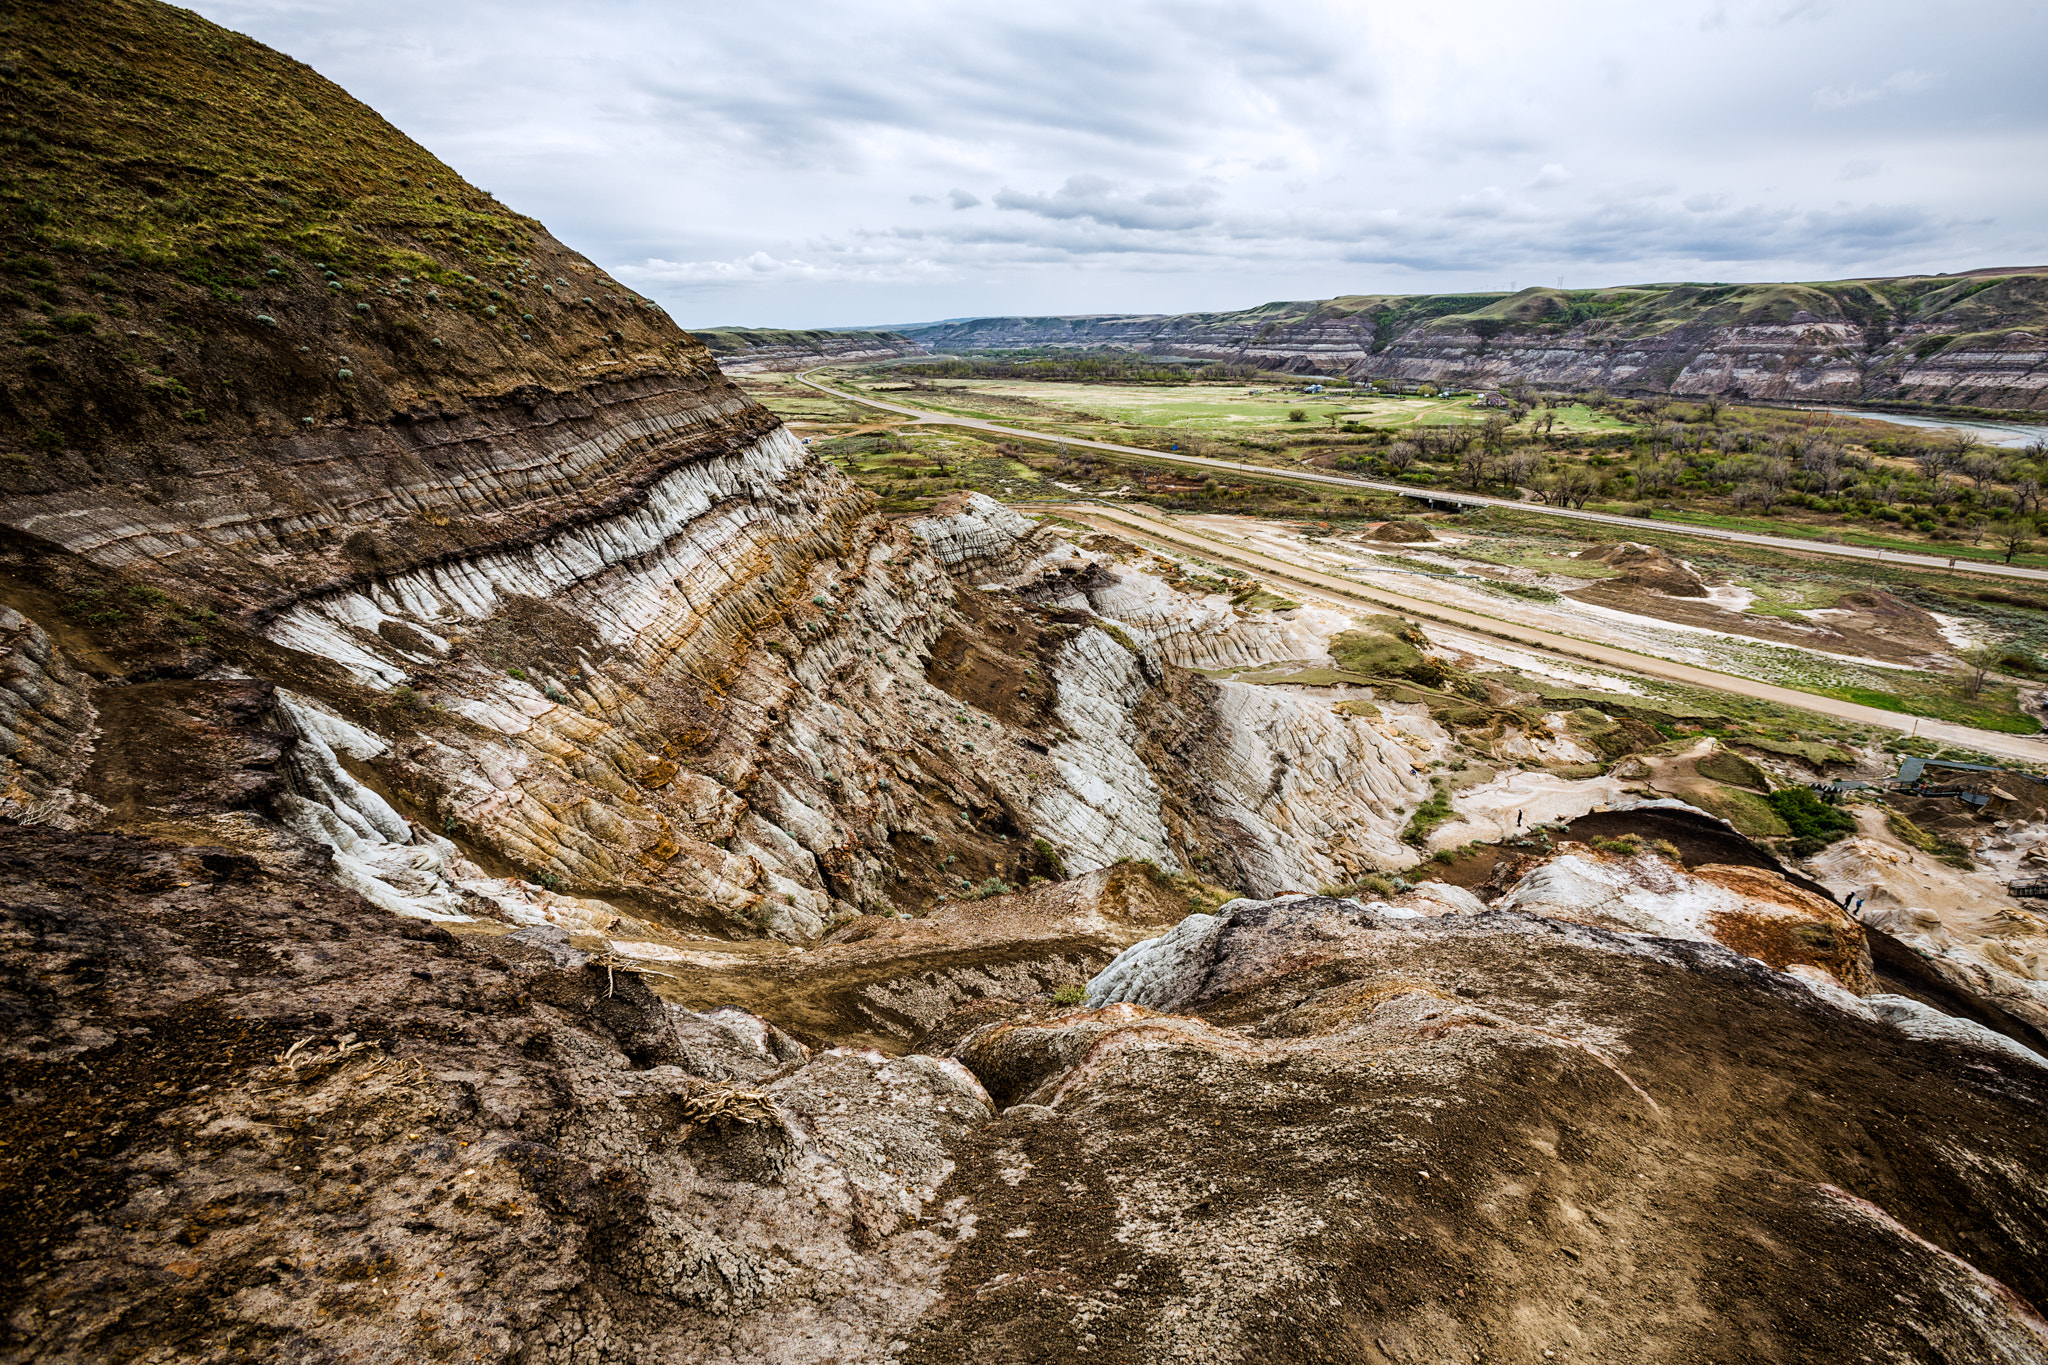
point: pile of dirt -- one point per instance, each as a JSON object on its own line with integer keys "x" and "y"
{"x": 1401, "y": 532}
{"x": 1882, "y": 619}
{"x": 1648, "y": 567}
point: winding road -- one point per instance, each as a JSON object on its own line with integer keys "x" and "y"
{"x": 1940, "y": 563}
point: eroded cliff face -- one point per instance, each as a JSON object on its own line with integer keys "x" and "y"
{"x": 746, "y": 350}
{"x": 527, "y": 612}
{"x": 1976, "y": 340}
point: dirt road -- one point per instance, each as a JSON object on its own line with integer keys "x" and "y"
{"x": 1936, "y": 562}
{"x": 1161, "y": 530}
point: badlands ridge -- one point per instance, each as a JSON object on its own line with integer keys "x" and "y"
{"x": 509, "y": 858}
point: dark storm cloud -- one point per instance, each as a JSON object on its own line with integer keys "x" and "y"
{"x": 798, "y": 162}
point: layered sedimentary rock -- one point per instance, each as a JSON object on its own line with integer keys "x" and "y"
{"x": 1979, "y": 339}
{"x": 749, "y": 350}
{"x": 562, "y": 627}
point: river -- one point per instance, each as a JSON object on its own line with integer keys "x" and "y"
{"x": 2008, "y": 434}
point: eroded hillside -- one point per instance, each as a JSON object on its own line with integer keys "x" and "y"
{"x": 1974, "y": 340}
{"x": 508, "y": 858}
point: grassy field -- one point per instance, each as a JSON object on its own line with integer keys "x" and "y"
{"x": 1213, "y": 409}
{"x": 1804, "y": 475}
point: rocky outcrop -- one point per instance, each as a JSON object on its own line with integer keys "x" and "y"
{"x": 749, "y": 350}
{"x": 1972, "y": 340}
{"x": 249, "y": 1118}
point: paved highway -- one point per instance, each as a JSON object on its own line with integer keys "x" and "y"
{"x": 1434, "y": 495}
{"x": 1156, "y": 527}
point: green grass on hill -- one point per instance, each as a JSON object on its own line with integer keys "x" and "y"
{"x": 1984, "y": 715}
{"x": 141, "y": 131}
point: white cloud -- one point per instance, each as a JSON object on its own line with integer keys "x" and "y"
{"x": 1175, "y": 207}
{"x": 1193, "y": 154}
{"x": 1905, "y": 82}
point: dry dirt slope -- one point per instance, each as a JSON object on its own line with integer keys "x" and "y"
{"x": 1364, "y": 1138}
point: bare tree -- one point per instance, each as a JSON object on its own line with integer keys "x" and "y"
{"x": 2013, "y": 537}
{"x": 1757, "y": 493}
{"x": 1400, "y": 456}
{"x": 2026, "y": 494}
{"x": 1568, "y": 487}
{"x": 1475, "y": 464}
{"x": 1977, "y": 661}
{"x": 1981, "y": 468}
{"x": 1520, "y": 464}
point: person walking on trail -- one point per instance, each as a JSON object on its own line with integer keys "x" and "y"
{"x": 1518, "y": 819}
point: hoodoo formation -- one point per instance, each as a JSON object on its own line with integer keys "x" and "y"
{"x": 508, "y": 857}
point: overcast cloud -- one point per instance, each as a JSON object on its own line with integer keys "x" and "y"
{"x": 800, "y": 163}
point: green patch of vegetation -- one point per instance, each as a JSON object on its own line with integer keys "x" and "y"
{"x": 1409, "y": 564}
{"x": 1989, "y": 711}
{"x": 1373, "y": 885}
{"x": 1432, "y": 812}
{"x": 1809, "y": 751}
{"x": 1258, "y": 599}
{"x": 1813, "y": 823}
{"x": 1724, "y": 765}
{"x": 1750, "y": 813}
{"x": 1392, "y": 649}
{"x": 1528, "y": 592}
{"x": 1944, "y": 850}
{"x": 1069, "y": 996}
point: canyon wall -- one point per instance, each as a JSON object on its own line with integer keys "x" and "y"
{"x": 751, "y": 350}
{"x": 1975, "y": 340}
{"x": 510, "y": 599}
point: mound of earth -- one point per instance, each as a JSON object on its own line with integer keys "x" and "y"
{"x": 250, "y": 1121}
{"x": 1647, "y": 566}
{"x": 1487, "y": 1136}
{"x": 1873, "y": 624}
{"x": 1879, "y": 616}
{"x": 1401, "y": 532}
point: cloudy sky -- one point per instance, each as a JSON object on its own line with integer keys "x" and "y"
{"x": 810, "y": 163}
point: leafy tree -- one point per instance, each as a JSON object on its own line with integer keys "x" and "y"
{"x": 1814, "y": 823}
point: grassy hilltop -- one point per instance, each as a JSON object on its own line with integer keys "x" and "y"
{"x": 202, "y": 238}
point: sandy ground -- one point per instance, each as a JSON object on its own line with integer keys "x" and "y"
{"x": 1521, "y": 627}
{"x": 1487, "y": 813}
{"x": 1684, "y": 641}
